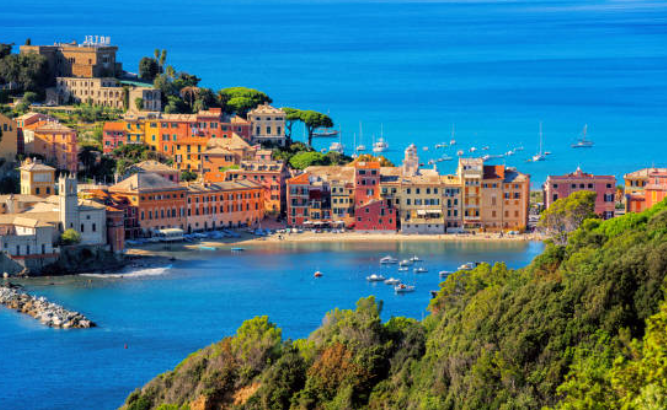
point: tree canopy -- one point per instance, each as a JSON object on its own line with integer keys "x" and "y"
{"x": 567, "y": 214}
{"x": 148, "y": 69}
{"x": 240, "y": 100}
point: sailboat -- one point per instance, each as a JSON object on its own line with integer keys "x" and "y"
{"x": 453, "y": 141}
{"x": 361, "y": 147}
{"x": 582, "y": 142}
{"x": 381, "y": 145}
{"x": 540, "y": 155}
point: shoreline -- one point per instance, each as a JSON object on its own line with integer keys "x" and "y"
{"x": 157, "y": 249}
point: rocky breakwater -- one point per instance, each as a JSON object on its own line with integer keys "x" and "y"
{"x": 46, "y": 312}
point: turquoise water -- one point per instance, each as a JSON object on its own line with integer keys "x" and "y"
{"x": 495, "y": 69}
{"x": 162, "y": 318}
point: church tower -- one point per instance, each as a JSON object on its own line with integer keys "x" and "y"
{"x": 68, "y": 203}
{"x": 411, "y": 161}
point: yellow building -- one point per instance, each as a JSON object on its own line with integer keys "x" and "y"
{"x": 420, "y": 203}
{"x": 37, "y": 179}
{"x": 8, "y": 138}
{"x": 637, "y": 180}
{"x": 471, "y": 171}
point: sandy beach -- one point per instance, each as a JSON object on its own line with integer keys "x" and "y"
{"x": 326, "y": 237}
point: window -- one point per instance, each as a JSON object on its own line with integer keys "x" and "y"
{"x": 82, "y": 226}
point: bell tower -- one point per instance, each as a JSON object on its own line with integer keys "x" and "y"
{"x": 68, "y": 203}
{"x": 411, "y": 161}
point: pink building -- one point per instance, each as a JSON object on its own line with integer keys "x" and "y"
{"x": 113, "y": 136}
{"x": 375, "y": 216}
{"x": 561, "y": 186}
{"x": 366, "y": 182}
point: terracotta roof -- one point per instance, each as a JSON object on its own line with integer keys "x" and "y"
{"x": 234, "y": 142}
{"x": 265, "y": 109}
{"x": 301, "y": 179}
{"x": 35, "y": 166}
{"x": 114, "y": 126}
{"x": 144, "y": 182}
{"x": 53, "y": 126}
{"x": 154, "y": 166}
{"x": 643, "y": 173}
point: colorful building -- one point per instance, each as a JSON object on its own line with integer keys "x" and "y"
{"x": 57, "y": 144}
{"x": 113, "y": 136}
{"x": 377, "y": 215}
{"x": 637, "y": 180}
{"x": 558, "y": 187}
{"x": 270, "y": 175}
{"x": 9, "y": 141}
{"x": 649, "y": 188}
{"x": 224, "y": 205}
{"x": 37, "y": 179}
{"x": 268, "y": 124}
{"x": 160, "y": 203}
{"x": 89, "y": 59}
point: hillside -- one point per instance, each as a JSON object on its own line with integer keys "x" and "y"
{"x": 584, "y": 326}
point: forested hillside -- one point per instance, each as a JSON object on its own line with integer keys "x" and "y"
{"x": 584, "y": 326}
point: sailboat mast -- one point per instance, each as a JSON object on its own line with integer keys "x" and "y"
{"x": 540, "y": 137}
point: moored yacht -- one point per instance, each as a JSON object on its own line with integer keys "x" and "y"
{"x": 375, "y": 278}
{"x": 388, "y": 260}
{"x": 404, "y": 288}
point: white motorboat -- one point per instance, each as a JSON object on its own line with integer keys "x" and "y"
{"x": 473, "y": 149}
{"x": 375, "y": 278}
{"x": 444, "y": 273}
{"x": 441, "y": 145}
{"x": 415, "y": 259}
{"x": 420, "y": 269}
{"x": 403, "y": 269}
{"x": 380, "y": 146}
{"x": 404, "y": 288}
{"x": 361, "y": 148}
{"x": 388, "y": 260}
{"x": 486, "y": 157}
{"x": 392, "y": 281}
{"x": 467, "y": 266}
{"x": 406, "y": 262}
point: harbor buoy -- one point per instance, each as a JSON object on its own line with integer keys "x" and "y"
{"x": 317, "y": 274}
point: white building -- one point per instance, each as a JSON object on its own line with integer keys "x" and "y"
{"x": 268, "y": 124}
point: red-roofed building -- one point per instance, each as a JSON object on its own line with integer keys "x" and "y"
{"x": 561, "y": 186}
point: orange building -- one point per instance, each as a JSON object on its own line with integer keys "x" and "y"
{"x": 224, "y": 205}
{"x": 160, "y": 203}
{"x": 222, "y": 154}
{"x": 57, "y": 144}
{"x": 271, "y": 175}
{"x": 654, "y": 191}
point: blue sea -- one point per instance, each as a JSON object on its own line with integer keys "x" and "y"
{"x": 164, "y": 313}
{"x": 414, "y": 69}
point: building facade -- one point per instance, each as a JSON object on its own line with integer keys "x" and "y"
{"x": 9, "y": 141}
{"x": 268, "y": 124}
{"x": 78, "y": 60}
{"x": 57, "y": 144}
{"x": 37, "y": 179}
{"x": 604, "y": 186}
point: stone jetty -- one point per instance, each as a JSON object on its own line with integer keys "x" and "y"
{"x": 46, "y": 312}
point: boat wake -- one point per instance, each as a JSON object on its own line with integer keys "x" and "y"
{"x": 157, "y": 271}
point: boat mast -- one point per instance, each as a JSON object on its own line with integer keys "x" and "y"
{"x": 540, "y": 138}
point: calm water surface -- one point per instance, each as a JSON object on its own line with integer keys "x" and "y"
{"x": 199, "y": 300}
{"x": 493, "y": 68}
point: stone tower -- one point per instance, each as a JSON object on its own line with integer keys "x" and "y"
{"x": 411, "y": 161}
{"x": 68, "y": 203}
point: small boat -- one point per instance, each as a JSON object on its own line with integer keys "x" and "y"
{"x": 486, "y": 157}
{"x": 361, "y": 148}
{"x": 473, "y": 149}
{"x": 467, "y": 266}
{"x": 441, "y": 145}
{"x": 375, "y": 278}
{"x": 452, "y": 142}
{"x": 444, "y": 273}
{"x": 404, "y": 288}
{"x": 403, "y": 269}
{"x": 582, "y": 142}
{"x": 425, "y": 148}
{"x": 392, "y": 281}
{"x": 318, "y": 274}
{"x": 388, "y": 260}
{"x": 415, "y": 259}
{"x": 326, "y": 133}
{"x": 431, "y": 162}
{"x": 445, "y": 158}
{"x": 547, "y": 153}
{"x": 485, "y": 148}
{"x": 323, "y": 150}
{"x": 420, "y": 269}
{"x": 336, "y": 147}
{"x": 460, "y": 153}
{"x": 238, "y": 249}
{"x": 406, "y": 262}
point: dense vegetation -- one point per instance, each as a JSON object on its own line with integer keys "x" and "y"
{"x": 584, "y": 326}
